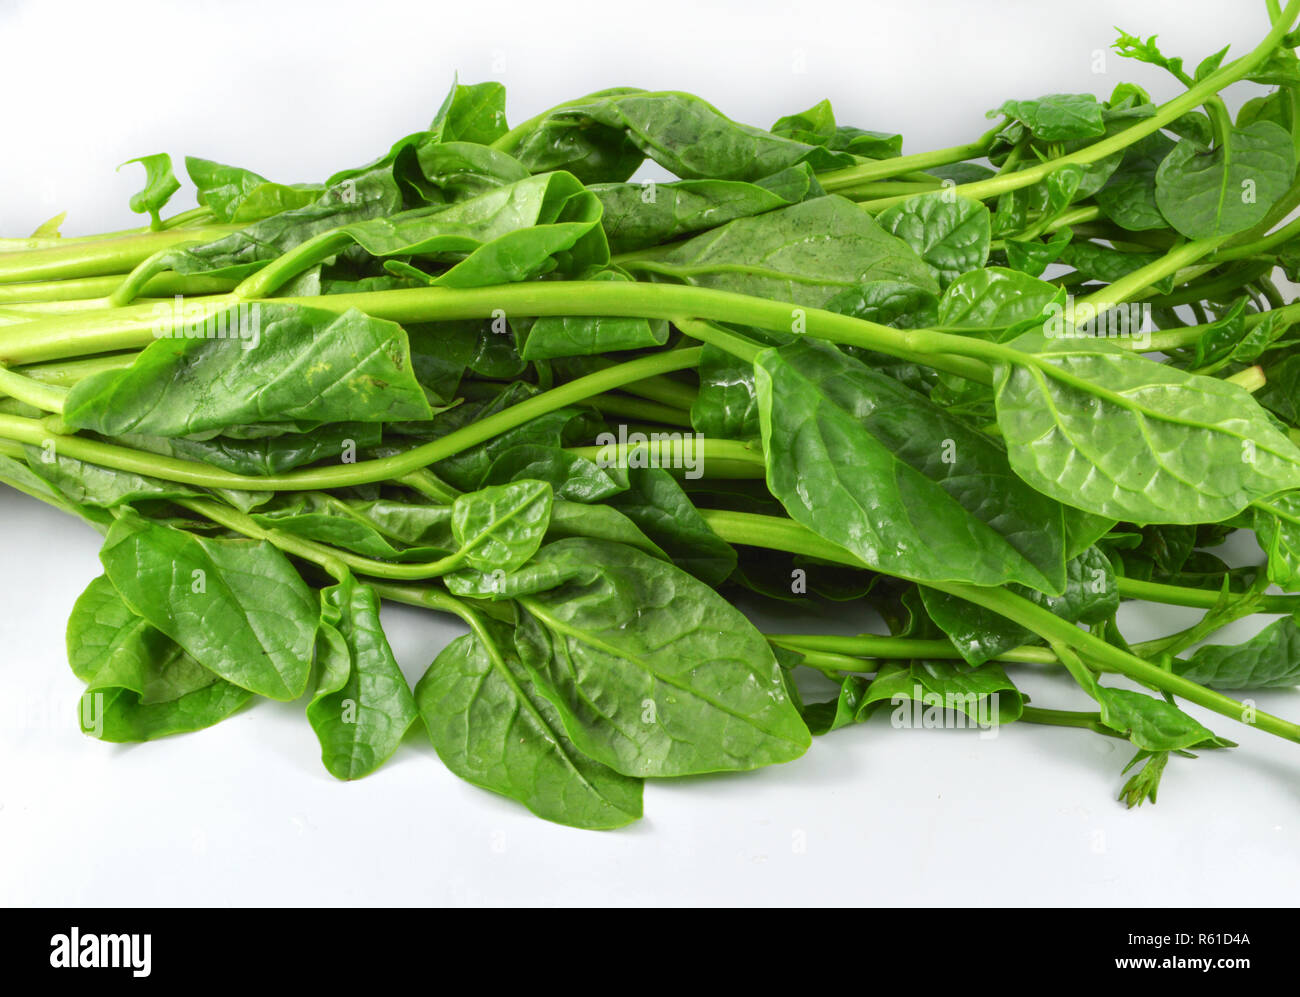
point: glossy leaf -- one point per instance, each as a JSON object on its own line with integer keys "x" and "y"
{"x": 1118, "y": 435}
{"x": 362, "y": 706}
{"x": 951, "y": 234}
{"x": 139, "y": 684}
{"x": 237, "y": 607}
{"x": 652, "y": 672}
{"x": 491, "y": 726}
{"x": 805, "y": 254}
{"x": 500, "y": 527}
{"x": 897, "y": 481}
{"x": 1207, "y": 193}
{"x": 1269, "y": 660}
{"x": 303, "y": 363}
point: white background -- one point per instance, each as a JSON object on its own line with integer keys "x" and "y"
{"x": 245, "y": 814}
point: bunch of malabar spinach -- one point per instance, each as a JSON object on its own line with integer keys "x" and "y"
{"x": 990, "y": 392}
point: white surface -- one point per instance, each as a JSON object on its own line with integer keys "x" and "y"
{"x": 244, "y": 813}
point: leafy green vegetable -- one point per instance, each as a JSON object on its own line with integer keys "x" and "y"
{"x": 362, "y": 706}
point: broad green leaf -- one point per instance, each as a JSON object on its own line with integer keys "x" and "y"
{"x": 139, "y": 684}
{"x": 86, "y": 484}
{"x": 637, "y": 215}
{"x": 327, "y": 519}
{"x": 983, "y": 694}
{"x": 896, "y": 480}
{"x": 507, "y": 234}
{"x": 237, "y": 607}
{"x": 995, "y": 298}
{"x": 726, "y": 407}
{"x": 951, "y": 234}
{"x": 592, "y": 152}
{"x": 491, "y": 727}
{"x": 682, "y": 133}
{"x": 570, "y": 475}
{"x": 1058, "y": 117}
{"x": 362, "y": 706}
{"x": 1208, "y": 193}
{"x": 805, "y": 254}
{"x": 1115, "y": 434}
{"x": 454, "y": 171}
{"x": 1269, "y": 660}
{"x": 816, "y": 126}
{"x": 239, "y": 195}
{"x": 337, "y": 442}
{"x": 1151, "y": 724}
{"x": 500, "y": 527}
{"x": 241, "y": 253}
{"x": 1129, "y": 196}
{"x": 472, "y": 113}
{"x": 599, "y": 522}
{"x": 652, "y": 672}
{"x": 887, "y": 302}
{"x": 283, "y": 362}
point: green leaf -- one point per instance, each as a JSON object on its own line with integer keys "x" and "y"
{"x": 682, "y": 133}
{"x": 1276, "y": 522}
{"x": 637, "y": 215}
{"x": 509, "y": 233}
{"x": 1129, "y": 196}
{"x": 362, "y": 706}
{"x": 1058, "y": 117}
{"x": 491, "y": 726}
{"x": 237, "y": 607}
{"x": 1208, "y": 193}
{"x": 888, "y": 302}
{"x": 471, "y": 113}
{"x": 265, "y": 455}
{"x": 160, "y": 184}
{"x": 500, "y": 527}
{"x": 85, "y": 484}
{"x": 139, "y": 684}
{"x": 983, "y": 694}
{"x": 239, "y": 195}
{"x": 1150, "y": 723}
{"x": 950, "y": 233}
{"x": 241, "y": 253}
{"x": 652, "y": 672}
{"x": 330, "y": 520}
{"x": 805, "y": 254}
{"x": 995, "y": 298}
{"x": 304, "y": 364}
{"x": 655, "y": 502}
{"x": 570, "y": 475}
{"x": 1269, "y": 660}
{"x": 896, "y": 480}
{"x": 1111, "y": 432}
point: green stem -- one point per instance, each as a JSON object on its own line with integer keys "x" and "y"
{"x": 833, "y": 181}
{"x": 875, "y": 646}
{"x": 111, "y": 256}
